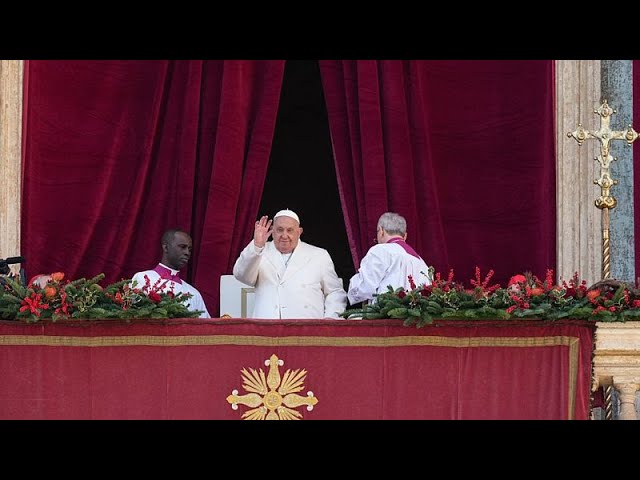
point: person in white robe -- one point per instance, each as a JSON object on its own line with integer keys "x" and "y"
{"x": 176, "y": 251}
{"x": 388, "y": 263}
{"x": 292, "y": 279}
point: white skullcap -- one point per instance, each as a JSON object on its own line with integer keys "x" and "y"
{"x": 287, "y": 213}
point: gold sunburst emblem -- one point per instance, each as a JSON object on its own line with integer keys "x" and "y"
{"x": 272, "y": 397}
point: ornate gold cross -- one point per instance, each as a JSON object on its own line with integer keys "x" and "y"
{"x": 605, "y": 201}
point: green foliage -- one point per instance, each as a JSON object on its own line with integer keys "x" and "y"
{"x": 88, "y": 300}
{"x": 526, "y": 297}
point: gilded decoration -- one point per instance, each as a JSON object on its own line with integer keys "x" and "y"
{"x": 606, "y": 201}
{"x": 272, "y": 397}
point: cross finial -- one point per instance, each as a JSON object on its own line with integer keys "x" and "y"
{"x": 605, "y": 201}
{"x": 605, "y": 135}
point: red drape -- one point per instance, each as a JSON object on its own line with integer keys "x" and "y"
{"x": 115, "y": 152}
{"x": 463, "y": 149}
{"x": 187, "y": 369}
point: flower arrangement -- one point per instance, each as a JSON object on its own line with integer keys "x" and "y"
{"x": 55, "y": 298}
{"x": 525, "y": 297}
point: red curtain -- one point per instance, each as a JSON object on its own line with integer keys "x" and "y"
{"x": 463, "y": 149}
{"x": 115, "y": 152}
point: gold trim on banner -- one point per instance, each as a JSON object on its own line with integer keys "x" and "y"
{"x": 311, "y": 341}
{"x": 292, "y": 341}
{"x": 273, "y": 397}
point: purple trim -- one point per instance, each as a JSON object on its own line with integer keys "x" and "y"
{"x": 405, "y": 245}
{"x": 165, "y": 274}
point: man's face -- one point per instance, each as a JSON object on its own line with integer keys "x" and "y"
{"x": 286, "y": 234}
{"x": 178, "y": 250}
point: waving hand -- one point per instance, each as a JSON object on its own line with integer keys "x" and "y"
{"x": 262, "y": 231}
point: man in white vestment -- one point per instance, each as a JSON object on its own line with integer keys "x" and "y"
{"x": 390, "y": 262}
{"x": 176, "y": 251}
{"x": 292, "y": 279}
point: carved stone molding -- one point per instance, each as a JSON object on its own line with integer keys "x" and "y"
{"x": 11, "y": 75}
{"x": 617, "y": 362}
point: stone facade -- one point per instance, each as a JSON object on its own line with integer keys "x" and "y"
{"x": 11, "y": 75}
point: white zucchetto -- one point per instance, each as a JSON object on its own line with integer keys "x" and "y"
{"x": 287, "y": 213}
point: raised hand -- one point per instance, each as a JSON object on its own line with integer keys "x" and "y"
{"x": 262, "y": 231}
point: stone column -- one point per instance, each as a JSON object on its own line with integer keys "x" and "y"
{"x": 617, "y": 89}
{"x": 616, "y": 362}
{"x": 627, "y": 392}
{"x": 11, "y": 77}
{"x": 579, "y": 228}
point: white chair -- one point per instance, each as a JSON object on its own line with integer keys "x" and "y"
{"x": 236, "y": 298}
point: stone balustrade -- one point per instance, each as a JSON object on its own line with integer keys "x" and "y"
{"x": 616, "y": 364}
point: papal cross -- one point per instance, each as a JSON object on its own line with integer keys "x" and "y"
{"x": 605, "y": 201}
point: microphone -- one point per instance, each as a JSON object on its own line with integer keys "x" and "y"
{"x": 4, "y": 264}
{"x": 12, "y": 260}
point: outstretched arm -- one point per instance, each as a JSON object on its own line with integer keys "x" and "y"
{"x": 247, "y": 265}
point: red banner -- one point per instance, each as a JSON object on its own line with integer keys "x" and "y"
{"x": 303, "y": 369}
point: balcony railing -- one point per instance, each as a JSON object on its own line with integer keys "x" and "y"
{"x": 616, "y": 367}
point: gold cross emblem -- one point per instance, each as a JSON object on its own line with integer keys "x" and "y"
{"x": 272, "y": 397}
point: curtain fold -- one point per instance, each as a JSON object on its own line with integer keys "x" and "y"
{"x": 463, "y": 149}
{"x": 115, "y": 152}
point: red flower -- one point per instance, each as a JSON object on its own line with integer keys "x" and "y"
{"x": 50, "y": 292}
{"x": 118, "y": 298}
{"x": 57, "y": 276}
{"x": 34, "y": 303}
{"x": 64, "y": 306}
{"x": 592, "y": 296}
{"x": 536, "y": 291}
{"x": 482, "y": 288}
{"x": 517, "y": 279}
{"x": 155, "y": 297}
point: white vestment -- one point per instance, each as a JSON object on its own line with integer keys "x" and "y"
{"x": 306, "y": 287}
{"x": 196, "y": 302}
{"x": 386, "y": 264}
